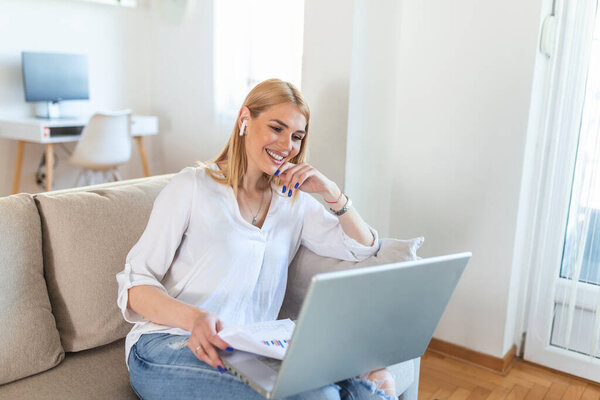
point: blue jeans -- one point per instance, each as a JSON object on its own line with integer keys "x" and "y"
{"x": 161, "y": 366}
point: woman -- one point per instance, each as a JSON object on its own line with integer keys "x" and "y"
{"x": 216, "y": 251}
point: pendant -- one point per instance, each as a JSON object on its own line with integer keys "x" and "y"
{"x": 254, "y": 221}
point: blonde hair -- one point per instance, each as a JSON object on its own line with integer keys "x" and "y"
{"x": 233, "y": 160}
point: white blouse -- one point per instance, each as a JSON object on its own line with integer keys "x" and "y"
{"x": 198, "y": 249}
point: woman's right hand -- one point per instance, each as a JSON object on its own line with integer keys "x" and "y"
{"x": 204, "y": 339}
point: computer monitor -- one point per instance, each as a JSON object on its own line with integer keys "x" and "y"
{"x": 54, "y": 77}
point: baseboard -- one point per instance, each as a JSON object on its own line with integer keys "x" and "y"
{"x": 496, "y": 364}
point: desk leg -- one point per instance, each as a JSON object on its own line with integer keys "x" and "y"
{"x": 18, "y": 166}
{"x": 49, "y": 165}
{"x": 142, "y": 155}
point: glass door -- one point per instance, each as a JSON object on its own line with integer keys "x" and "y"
{"x": 563, "y": 330}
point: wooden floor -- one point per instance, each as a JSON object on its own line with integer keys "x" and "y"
{"x": 445, "y": 378}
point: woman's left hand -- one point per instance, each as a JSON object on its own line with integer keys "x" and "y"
{"x": 306, "y": 178}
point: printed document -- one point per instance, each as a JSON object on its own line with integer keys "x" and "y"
{"x": 269, "y": 339}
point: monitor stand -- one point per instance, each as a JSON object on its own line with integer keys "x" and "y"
{"x": 49, "y": 110}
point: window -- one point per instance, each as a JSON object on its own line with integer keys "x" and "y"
{"x": 255, "y": 40}
{"x": 581, "y": 259}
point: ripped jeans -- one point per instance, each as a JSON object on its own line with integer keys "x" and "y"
{"x": 161, "y": 366}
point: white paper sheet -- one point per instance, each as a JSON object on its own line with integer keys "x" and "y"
{"x": 270, "y": 339}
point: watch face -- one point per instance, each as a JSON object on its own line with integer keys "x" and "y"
{"x": 173, "y": 11}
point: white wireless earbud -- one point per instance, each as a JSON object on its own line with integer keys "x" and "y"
{"x": 243, "y": 127}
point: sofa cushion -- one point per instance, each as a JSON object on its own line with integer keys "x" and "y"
{"x": 86, "y": 236}
{"x": 306, "y": 264}
{"x": 29, "y": 342}
{"x": 98, "y": 373}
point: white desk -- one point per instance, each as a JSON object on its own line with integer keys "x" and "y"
{"x": 51, "y": 131}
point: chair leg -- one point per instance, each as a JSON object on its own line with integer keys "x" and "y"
{"x": 91, "y": 177}
{"x": 78, "y": 178}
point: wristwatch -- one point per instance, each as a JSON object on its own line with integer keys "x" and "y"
{"x": 344, "y": 209}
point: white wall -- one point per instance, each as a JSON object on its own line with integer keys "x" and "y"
{"x": 118, "y": 55}
{"x": 182, "y": 88}
{"x": 373, "y": 123}
{"x": 327, "y": 50}
{"x": 467, "y": 74}
{"x": 439, "y": 102}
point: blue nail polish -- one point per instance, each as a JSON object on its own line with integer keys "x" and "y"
{"x": 221, "y": 370}
{"x": 283, "y": 191}
{"x": 276, "y": 172}
{"x": 229, "y": 349}
{"x": 296, "y": 185}
{"x": 290, "y": 193}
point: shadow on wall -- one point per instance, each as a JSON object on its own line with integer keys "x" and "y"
{"x": 329, "y": 130}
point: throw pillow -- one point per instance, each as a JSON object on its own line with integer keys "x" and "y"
{"x": 29, "y": 342}
{"x": 306, "y": 264}
{"x": 87, "y": 235}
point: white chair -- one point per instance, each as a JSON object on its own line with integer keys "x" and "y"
{"x": 105, "y": 144}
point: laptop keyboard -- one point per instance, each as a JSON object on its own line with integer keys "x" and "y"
{"x": 273, "y": 363}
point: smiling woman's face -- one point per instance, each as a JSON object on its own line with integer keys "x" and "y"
{"x": 274, "y": 137}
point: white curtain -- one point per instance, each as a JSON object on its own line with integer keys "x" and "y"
{"x": 577, "y": 320}
{"x": 565, "y": 305}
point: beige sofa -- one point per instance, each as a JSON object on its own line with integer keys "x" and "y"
{"x": 62, "y": 332}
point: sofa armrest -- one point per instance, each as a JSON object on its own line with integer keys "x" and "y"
{"x": 411, "y": 392}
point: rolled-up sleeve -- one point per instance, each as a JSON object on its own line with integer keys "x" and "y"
{"x": 322, "y": 233}
{"x": 150, "y": 258}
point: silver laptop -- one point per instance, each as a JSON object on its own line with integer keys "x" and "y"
{"x": 356, "y": 321}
